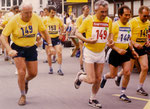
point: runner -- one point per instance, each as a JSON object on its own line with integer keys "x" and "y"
{"x": 53, "y": 24}
{"x": 24, "y": 28}
{"x": 97, "y": 32}
{"x": 80, "y": 19}
{"x": 120, "y": 54}
{"x": 139, "y": 27}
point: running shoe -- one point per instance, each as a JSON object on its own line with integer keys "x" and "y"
{"x": 50, "y": 71}
{"x": 117, "y": 80}
{"x": 77, "y": 82}
{"x": 26, "y": 87}
{"x": 95, "y": 103}
{"x": 6, "y": 58}
{"x": 125, "y": 98}
{"x": 45, "y": 61}
{"x": 22, "y": 100}
{"x": 141, "y": 91}
{"x": 103, "y": 82}
{"x": 60, "y": 72}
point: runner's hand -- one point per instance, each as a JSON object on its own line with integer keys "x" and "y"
{"x": 91, "y": 40}
{"x": 51, "y": 51}
{"x": 110, "y": 43}
{"x": 12, "y": 53}
{"x": 60, "y": 37}
{"x": 121, "y": 51}
{"x": 147, "y": 44}
{"x": 134, "y": 53}
{"x": 138, "y": 46}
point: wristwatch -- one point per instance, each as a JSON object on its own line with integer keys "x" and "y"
{"x": 50, "y": 45}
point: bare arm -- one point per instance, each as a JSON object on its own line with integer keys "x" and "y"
{"x": 110, "y": 40}
{"x": 81, "y": 37}
{"x": 136, "y": 45}
{"x": 61, "y": 32}
{"x": 134, "y": 53}
{"x": 48, "y": 40}
{"x": 111, "y": 44}
{"x": 46, "y": 36}
{"x": 4, "y": 40}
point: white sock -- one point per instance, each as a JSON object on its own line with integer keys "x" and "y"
{"x": 50, "y": 67}
{"x": 123, "y": 90}
{"x": 140, "y": 86}
{"x": 119, "y": 74}
{"x": 59, "y": 66}
{"x": 104, "y": 77}
{"x": 23, "y": 92}
{"x": 93, "y": 96}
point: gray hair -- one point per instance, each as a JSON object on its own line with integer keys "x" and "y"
{"x": 100, "y": 3}
{"x": 24, "y": 4}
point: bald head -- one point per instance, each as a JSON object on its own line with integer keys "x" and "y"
{"x": 26, "y": 11}
{"x": 25, "y": 5}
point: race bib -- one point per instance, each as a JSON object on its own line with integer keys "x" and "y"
{"x": 100, "y": 31}
{"x": 124, "y": 35}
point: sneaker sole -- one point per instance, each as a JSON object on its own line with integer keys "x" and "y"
{"x": 125, "y": 100}
{"x": 77, "y": 87}
{"x": 94, "y": 106}
{"x": 76, "y": 79}
{"x": 141, "y": 94}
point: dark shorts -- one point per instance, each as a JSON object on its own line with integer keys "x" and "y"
{"x": 30, "y": 53}
{"x": 116, "y": 59}
{"x": 9, "y": 39}
{"x": 84, "y": 35}
{"x": 140, "y": 52}
{"x": 1, "y": 32}
{"x": 55, "y": 41}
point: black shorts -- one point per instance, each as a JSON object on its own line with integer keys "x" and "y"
{"x": 147, "y": 49}
{"x": 55, "y": 41}
{"x": 116, "y": 59}
{"x": 140, "y": 52}
{"x": 1, "y": 31}
{"x": 84, "y": 35}
{"x": 30, "y": 53}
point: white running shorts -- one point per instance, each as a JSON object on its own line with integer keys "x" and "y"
{"x": 92, "y": 57}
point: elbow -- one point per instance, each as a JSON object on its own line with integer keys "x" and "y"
{"x": 1, "y": 37}
{"x": 76, "y": 34}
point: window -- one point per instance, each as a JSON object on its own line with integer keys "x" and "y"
{"x": 3, "y": 2}
{"x": 8, "y": 8}
{"x": 49, "y": 2}
{"x": 20, "y": 1}
{"x": 3, "y": 8}
{"x": 118, "y": 5}
{"x": 8, "y": 3}
{"x": 41, "y": 3}
{"x": 14, "y": 2}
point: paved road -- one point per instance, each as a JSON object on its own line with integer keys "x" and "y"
{"x": 57, "y": 92}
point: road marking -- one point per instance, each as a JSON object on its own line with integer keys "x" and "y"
{"x": 136, "y": 98}
{"x": 147, "y": 106}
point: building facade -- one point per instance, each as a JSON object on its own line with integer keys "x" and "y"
{"x": 113, "y": 6}
{"x": 38, "y": 5}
